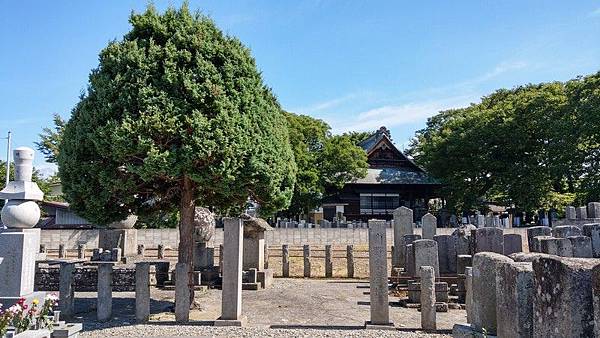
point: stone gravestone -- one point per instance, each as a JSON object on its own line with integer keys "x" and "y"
{"x": 428, "y": 320}
{"x": 231, "y": 305}
{"x": 403, "y": 221}
{"x": 534, "y": 232}
{"x": 514, "y": 297}
{"x": 425, "y": 253}
{"x": 581, "y": 213}
{"x": 446, "y": 253}
{"x": 563, "y": 301}
{"x": 378, "y": 276}
{"x": 19, "y": 243}
{"x": 582, "y": 246}
{"x": 254, "y": 248}
{"x": 564, "y": 231}
{"x": 570, "y": 213}
{"x": 593, "y": 210}
{"x": 512, "y": 243}
{"x": 429, "y": 225}
{"x": 488, "y": 239}
{"x": 593, "y": 231}
{"x": 485, "y": 268}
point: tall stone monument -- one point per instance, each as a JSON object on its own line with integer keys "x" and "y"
{"x": 378, "y": 277}
{"x": 19, "y": 243}
{"x": 403, "y": 221}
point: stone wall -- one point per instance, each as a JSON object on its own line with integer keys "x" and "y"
{"x": 85, "y": 278}
{"x": 151, "y": 238}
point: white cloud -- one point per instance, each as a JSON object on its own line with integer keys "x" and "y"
{"x": 329, "y": 104}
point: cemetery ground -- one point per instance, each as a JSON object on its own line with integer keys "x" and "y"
{"x": 291, "y": 307}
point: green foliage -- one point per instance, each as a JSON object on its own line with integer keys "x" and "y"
{"x": 358, "y": 136}
{"x": 323, "y": 160}
{"x": 50, "y": 139}
{"x": 175, "y": 107}
{"x": 532, "y": 146}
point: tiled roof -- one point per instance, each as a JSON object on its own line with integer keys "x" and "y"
{"x": 395, "y": 176}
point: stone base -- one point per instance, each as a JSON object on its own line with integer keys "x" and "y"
{"x": 389, "y": 326}
{"x": 34, "y": 334}
{"x": 10, "y": 301}
{"x": 467, "y": 331}
{"x": 232, "y": 322}
{"x": 251, "y": 286}
{"x": 265, "y": 278}
{"x": 68, "y": 330}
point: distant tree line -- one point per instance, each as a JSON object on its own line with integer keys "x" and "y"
{"x": 532, "y": 146}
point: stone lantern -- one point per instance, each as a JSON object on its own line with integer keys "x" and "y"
{"x": 19, "y": 243}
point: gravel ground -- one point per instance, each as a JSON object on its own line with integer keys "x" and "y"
{"x": 209, "y": 331}
{"x": 290, "y": 308}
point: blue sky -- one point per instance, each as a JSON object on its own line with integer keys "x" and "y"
{"x": 356, "y": 64}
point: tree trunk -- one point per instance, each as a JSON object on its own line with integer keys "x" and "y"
{"x": 186, "y": 231}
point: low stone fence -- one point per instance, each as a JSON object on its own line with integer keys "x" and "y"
{"x": 151, "y": 238}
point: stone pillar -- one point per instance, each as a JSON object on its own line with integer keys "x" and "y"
{"x": 306, "y": 254}
{"x": 350, "y": 261}
{"x": 446, "y": 245}
{"x": 485, "y": 269}
{"x": 428, "y": 320}
{"x": 254, "y": 255}
{"x": 182, "y": 293}
{"x": 142, "y": 291}
{"x": 534, "y": 232}
{"x": 593, "y": 231}
{"x": 410, "y": 260}
{"x": 141, "y": 251}
{"x": 425, "y": 253}
{"x": 328, "y": 262}
{"x": 285, "y": 263}
{"x": 514, "y": 296}
{"x": 512, "y": 243}
{"x": 593, "y": 210}
{"x": 221, "y": 258}
{"x": 403, "y": 225}
{"x": 104, "y": 306}
{"x": 564, "y": 231}
{"x": 581, "y": 213}
{"x": 570, "y": 213}
{"x": 429, "y": 224}
{"x": 18, "y": 251}
{"x": 62, "y": 251}
{"x": 563, "y": 301}
{"x": 469, "y": 293}
{"x": 378, "y": 274}
{"x": 581, "y": 246}
{"x": 66, "y": 291}
{"x": 81, "y": 251}
{"x": 488, "y": 240}
{"x": 231, "y": 308}
{"x": 161, "y": 251}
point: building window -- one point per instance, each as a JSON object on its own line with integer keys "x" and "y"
{"x": 378, "y": 204}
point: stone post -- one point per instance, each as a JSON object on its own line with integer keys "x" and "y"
{"x": 350, "y": 260}
{"x": 66, "y": 291}
{"x": 141, "y": 250}
{"x": 306, "y": 254}
{"x": 104, "y": 306}
{"x": 378, "y": 276}
{"x": 81, "y": 251}
{"x": 231, "y": 307}
{"x": 182, "y": 293}
{"x": 328, "y": 262}
{"x": 469, "y": 293}
{"x": 62, "y": 251}
{"x": 142, "y": 291}
{"x": 285, "y": 257}
{"x": 425, "y": 253}
{"x": 403, "y": 221}
{"x": 410, "y": 260}
{"x": 429, "y": 224}
{"x": 428, "y": 320}
{"x": 161, "y": 251}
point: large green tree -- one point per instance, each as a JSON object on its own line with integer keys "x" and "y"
{"x": 175, "y": 115}
{"x": 323, "y": 160}
{"x": 50, "y": 139}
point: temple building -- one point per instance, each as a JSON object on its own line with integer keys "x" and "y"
{"x": 392, "y": 180}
